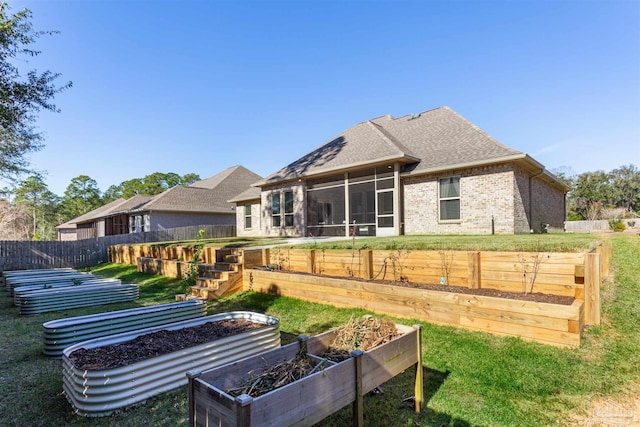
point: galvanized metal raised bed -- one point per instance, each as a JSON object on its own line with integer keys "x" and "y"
{"x": 21, "y": 291}
{"x": 62, "y": 333}
{"x": 101, "y": 392}
{"x": 310, "y": 399}
{"x": 47, "y": 300}
{"x": 55, "y": 277}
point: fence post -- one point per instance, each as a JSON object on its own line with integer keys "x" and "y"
{"x": 592, "y": 283}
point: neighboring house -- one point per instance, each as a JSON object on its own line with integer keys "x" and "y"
{"x": 433, "y": 172}
{"x": 204, "y": 202}
{"x": 67, "y": 232}
{"x": 107, "y": 220}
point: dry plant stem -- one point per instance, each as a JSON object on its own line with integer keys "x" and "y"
{"x": 363, "y": 334}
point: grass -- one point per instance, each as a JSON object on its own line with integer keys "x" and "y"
{"x": 470, "y": 378}
{"x": 226, "y": 242}
{"x": 521, "y": 242}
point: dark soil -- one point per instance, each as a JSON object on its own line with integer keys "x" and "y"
{"x": 536, "y": 297}
{"x": 157, "y": 343}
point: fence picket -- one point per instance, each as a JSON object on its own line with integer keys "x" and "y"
{"x": 20, "y": 255}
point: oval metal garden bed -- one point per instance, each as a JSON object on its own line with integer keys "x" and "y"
{"x": 62, "y": 333}
{"x": 96, "y": 391}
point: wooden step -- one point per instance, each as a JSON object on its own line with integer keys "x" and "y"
{"x": 215, "y": 274}
{"x": 207, "y": 282}
{"x": 228, "y": 266}
{"x": 233, "y": 258}
{"x": 203, "y": 293}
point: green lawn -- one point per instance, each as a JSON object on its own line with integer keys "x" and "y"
{"x": 470, "y": 378}
{"x": 552, "y": 242}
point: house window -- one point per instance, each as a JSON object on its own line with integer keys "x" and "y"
{"x": 449, "y": 195}
{"x": 275, "y": 209}
{"x": 247, "y": 216}
{"x": 288, "y": 208}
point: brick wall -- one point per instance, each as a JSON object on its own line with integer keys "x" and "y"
{"x": 299, "y": 223}
{"x": 256, "y": 219}
{"x": 548, "y": 206}
{"x": 485, "y": 193}
{"x": 521, "y": 198}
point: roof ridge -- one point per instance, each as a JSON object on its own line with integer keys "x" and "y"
{"x": 390, "y": 139}
{"x": 479, "y": 130}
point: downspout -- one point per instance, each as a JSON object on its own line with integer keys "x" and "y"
{"x": 531, "y": 197}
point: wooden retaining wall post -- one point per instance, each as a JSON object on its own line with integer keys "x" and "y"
{"x": 367, "y": 264}
{"x": 311, "y": 261}
{"x": 592, "y": 281}
{"x": 474, "y": 269}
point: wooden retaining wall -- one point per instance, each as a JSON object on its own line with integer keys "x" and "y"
{"x": 555, "y": 273}
{"x": 558, "y": 325}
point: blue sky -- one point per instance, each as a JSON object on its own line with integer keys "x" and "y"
{"x": 199, "y": 86}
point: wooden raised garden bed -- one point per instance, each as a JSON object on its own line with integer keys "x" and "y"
{"x": 305, "y": 401}
{"x": 547, "y": 323}
{"x": 97, "y": 384}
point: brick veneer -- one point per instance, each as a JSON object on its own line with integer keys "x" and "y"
{"x": 490, "y": 201}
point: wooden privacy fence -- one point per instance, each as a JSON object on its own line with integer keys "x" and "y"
{"x": 21, "y": 255}
{"x": 17, "y": 255}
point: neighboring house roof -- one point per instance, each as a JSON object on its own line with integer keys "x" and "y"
{"x": 251, "y": 193}
{"x": 66, "y": 226}
{"x": 130, "y": 204}
{"x": 187, "y": 199}
{"x": 428, "y": 142}
{"x": 207, "y": 195}
{"x": 96, "y": 213}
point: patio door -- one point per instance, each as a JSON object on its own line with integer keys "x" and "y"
{"x": 385, "y": 213}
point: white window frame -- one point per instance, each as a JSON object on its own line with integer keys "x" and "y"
{"x": 458, "y": 197}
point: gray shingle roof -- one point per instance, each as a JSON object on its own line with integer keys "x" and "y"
{"x": 434, "y": 139}
{"x": 97, "y": 213}
{"x": 187, "y": 199}
{"x": 251, "y": 193}
{"x": 207, "y": 195}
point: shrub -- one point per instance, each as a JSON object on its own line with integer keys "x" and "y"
{"x": 617, "y": 225}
